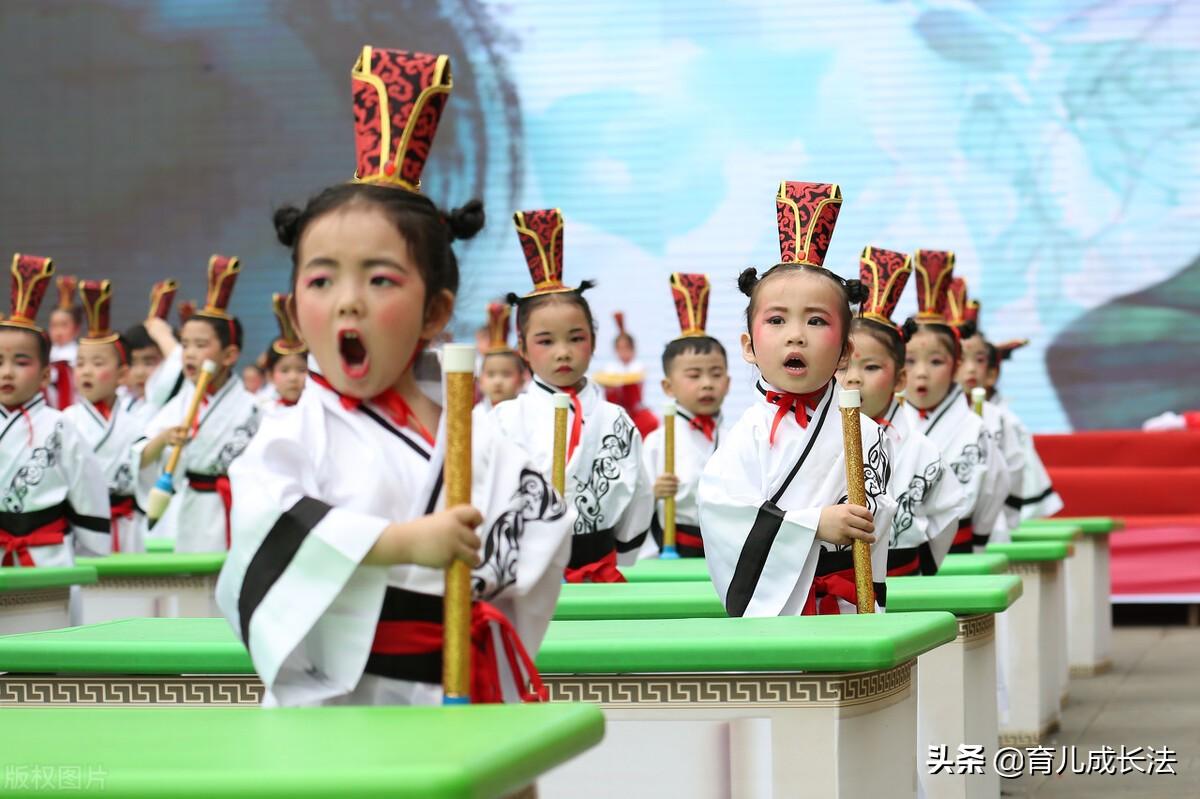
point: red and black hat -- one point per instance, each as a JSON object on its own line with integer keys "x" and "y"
{"x": 885, "y": 274}
{"x": 187, "y": 309}
{"x": 289, "y": 342}
{"x": 398, "y": 101}
{"x": 1005, "y": 349}
{"x": 66, "y": 285}
{"x": 690, "y": 292}
{"x": 541, "y": 236}
{"x": 161, "y": 297}
{"x": 497, "y": 327}
{"x": 30, "y": 278}
{"x": 957, "y": 304}
{"x": 222, "y": 275}
{"x": 96, "y": 296}
{"x": 806, "y": 214}
{"x": 934, "y": 270}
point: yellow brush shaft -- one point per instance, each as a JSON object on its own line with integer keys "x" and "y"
{"x": 558, "y": 471}
{"x": 856, "y": 493}
{"x": 669, "y": 468}
{"x": 456, "y": 655}
{"x": 189, "y": 420}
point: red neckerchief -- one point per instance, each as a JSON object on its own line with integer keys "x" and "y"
{"x": 576, "y": 422}
{"x": 882, "y": 421}
{"x": 287, "y": 403}
{"x": 923, "y": 413}
{"x": 103, "y": 408}
{"x": 705, "y": 424}
{"x": 795, "y": 404}
{"x": 389, "y": 400}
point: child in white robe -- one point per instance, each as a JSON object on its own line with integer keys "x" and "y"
{"x": 938, "y": 407}
{"x": 606, "y": 483}
{"x": 105, "y": 423}
{"x": 777, "y": 526}
{"x": 341, "y": 529}
{"x": 228, "y": 419}
{"x": 696, "y": 376}
{"x": 929, "y": 501}
{"x": 63, "y": 329}
{"x": 501, "y": 370}
{"x": 286, "y": 359}
{"x": 51, "y": 504}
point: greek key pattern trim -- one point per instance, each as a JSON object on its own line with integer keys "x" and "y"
{"x": 1034, "y": 567}
{"x": 34, "y": 596}
{"x": 135, "y": 690}
{"x": 1091, "y": 670}
{"x": 1027, "y": 737}
{"x": 184, "y": 581}
{"x": 731, "y": 690}
{"x": 976, "y": 629}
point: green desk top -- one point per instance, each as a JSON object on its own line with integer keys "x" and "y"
{"x": 160, "y": 545}
{"x": 783, "y": 643}
{"x": 1032, "y": 551}
{"x": 652, "y": 570}
{"x": 13, "y": 578}
{"x": 1066, "y": 533}
{"x": 1091, "y": 525}
{"x": 962, "y": 596}
{"x": 667, "y": 600}
{"x": 478, "y": 751}
{"x": 130, "y": 646}
{"x": 155, "y": 564}
{"x": 978, "y": 563}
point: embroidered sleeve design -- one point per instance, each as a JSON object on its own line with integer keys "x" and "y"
{"x": 614, "y": 448}
{"x": 31, "y": 474}
{"x": 121, "y": 483}
{"x": 877, "y": 471}
{"x": 918, "y": 488}
{"x": 533, "y": 501}
{"x": 972, "y": 455}
{"x": 238, "y": 440}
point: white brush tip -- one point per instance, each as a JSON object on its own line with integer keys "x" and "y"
{"x": 209, "y": 368}
{"x": 157, "y": 503}
{"x": 978, "y": 394}
{"x": 561, "y": 400}
{"x": 458, "y": 358}
{"x": 850, "y": 398}
{"x": 669, "y": 408}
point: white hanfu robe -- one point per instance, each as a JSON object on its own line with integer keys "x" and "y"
{"x": 166, "y": 381}
{"x": 607, "y": 486}
{"x": 970, "y": 452}
{"x": 1007, "y": 443}
{"x": 1034, "y": 496}
{"x": 929, "y": 500}
{"x": 692, "y": 451}
{"x": 228, "y": 419}
{"x": 51, "y": 504}
{"x": 760, "y": 505}
{"x": 312, "y": 494}
{"x": 110, "y": 441}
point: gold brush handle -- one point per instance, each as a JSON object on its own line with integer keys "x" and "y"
{"x": 458, "y": 365}
{"x": 849, "y": 402}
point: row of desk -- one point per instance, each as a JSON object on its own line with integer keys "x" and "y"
{"x": 696, "y": 703}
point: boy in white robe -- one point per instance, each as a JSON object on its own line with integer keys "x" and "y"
{"x": 51, "y": 505}
{"x": 501, "y": 370}
{"x": 696, "y": 376}
{"x": 63, "y": 330}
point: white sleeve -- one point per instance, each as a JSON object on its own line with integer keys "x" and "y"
{"x": 88, "y": 513}
{"x": 166, "y": 380}
{"x": 293, "y": 587}
{"x": 170, "y": 415}
{"x": 632, "y": 529}
{"x": 760, "y": 557}
{"x": 988, "y": 515}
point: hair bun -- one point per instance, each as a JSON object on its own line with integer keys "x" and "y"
{"x": 466, "y": 221}
{"x": 747, "y": 280}
{"x": 968, "y": 329}
{"x": 512, "y": 298}
{"x": 857, "y": 292}
{"x": 584, "y": 285}
{"x": 909, "y": 329}
{"x": 287, "y": 220}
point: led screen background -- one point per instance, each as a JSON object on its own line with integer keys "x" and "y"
{"x": 1054, "y": 146}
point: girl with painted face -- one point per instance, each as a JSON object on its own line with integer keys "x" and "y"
{"x": 939, "y": 408}
{"x": 777, "y": 528}
{"x": 341, "y": 530}
{"x": 929, "y": 500}
{"x": 606, "y": 484}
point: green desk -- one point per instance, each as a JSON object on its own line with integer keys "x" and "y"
{"x": 38, "y": 598}
{"x": 1034, "y": 661}
{"x": 482, "y": 751}
{"x": 1064, "y": 533}
{"x": 160, "y": 546}
{"x": 958, "y": 565}
{"x": 773, "y": 702}
{"x": 1091, "y": 525}
{"x": 1089, "y": 589}
{"x": 152, "y": 584}
{"x": 651, "y": 570}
